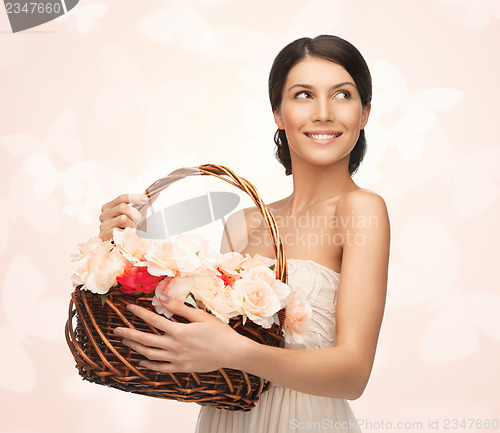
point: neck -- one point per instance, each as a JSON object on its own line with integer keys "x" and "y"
{"x": 313, "y": 184}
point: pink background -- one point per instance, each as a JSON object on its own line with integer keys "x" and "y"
{"x": 113, "y": 96}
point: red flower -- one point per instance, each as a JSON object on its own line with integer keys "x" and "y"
{"x": 227, "y": 278}
{"x": 137, "y": 278}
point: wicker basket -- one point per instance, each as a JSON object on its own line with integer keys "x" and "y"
{"x": 101, "y": 358}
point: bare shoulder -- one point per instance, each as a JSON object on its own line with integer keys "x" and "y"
{"x": 362, "y": 202}
{"x": 247, "y": 217}
{"x": 252, "y": 216}
{"x": 243, "y": 224}
{"x": 237, "y": 228}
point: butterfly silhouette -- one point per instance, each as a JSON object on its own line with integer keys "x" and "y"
{"x": 38, "y": 160}
{"x": 86, "y": 15}
{"x": 29, "y": 314}
{"x": 432, "y": 281}
{"x": 419, "y": 110}
{"x": 177, "y": 23}
{"x": 479, "y": 13}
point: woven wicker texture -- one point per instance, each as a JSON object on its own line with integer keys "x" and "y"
{"x": 101, "y": 358}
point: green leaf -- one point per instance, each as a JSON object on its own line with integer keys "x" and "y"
{"x": 272, "y": 267}
{"x": 105, "y": 296}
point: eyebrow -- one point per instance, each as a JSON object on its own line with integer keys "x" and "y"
{"x": 308, "y": 86}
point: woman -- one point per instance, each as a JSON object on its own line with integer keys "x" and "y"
{"x": 336, "y": 238}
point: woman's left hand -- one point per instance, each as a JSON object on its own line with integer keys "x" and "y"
{"x": 206, "y": 344}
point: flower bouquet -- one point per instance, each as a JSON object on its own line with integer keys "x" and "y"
{"x": 248, "y": 293}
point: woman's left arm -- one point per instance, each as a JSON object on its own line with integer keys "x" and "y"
{"x": 342, "y": 371}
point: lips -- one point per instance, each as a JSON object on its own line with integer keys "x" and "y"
{"x": 328, "y": 136}
{"x": 323, "y": 137}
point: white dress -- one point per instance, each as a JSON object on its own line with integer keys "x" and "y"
{"x": 282, "y": 410}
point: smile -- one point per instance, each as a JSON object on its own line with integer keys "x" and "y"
{"x": 323, "y": 136}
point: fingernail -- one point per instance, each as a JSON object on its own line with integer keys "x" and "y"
{"x": 144, "y": 199}
{"x": 164, "y": 299}
{"x": 131, "y": 307}
{"x": 118, "y": 332}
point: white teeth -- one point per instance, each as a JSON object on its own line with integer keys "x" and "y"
{"x": 322, "y": 136}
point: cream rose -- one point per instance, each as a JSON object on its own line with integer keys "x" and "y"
{"x": 257, "y": 299}
{"x": 264, "y": 274}
{"x": 206, "y": 289}
{"x": 195, "y": 243}
{"x": 170, "y": 257}
{"x": 176, "y": 288}
{"x": 230, "y": 263}
{"x": 216, "y": 296}
{"x": 130, "y": 244}
{"x": 256, "y": 260}
{"x": 85, "y": 248}
{"x": 97, "y": 266}
{"x": 211, "y": 260}
{"x": 298, "y": 315}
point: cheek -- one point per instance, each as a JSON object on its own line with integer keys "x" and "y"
{"x": 350, "y": 116}
{"x": 292, "y": 120}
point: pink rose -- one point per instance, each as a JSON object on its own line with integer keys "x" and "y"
{"x": 298, "y": 315}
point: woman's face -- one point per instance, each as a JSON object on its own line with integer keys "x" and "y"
{"x": 321, "y": 112}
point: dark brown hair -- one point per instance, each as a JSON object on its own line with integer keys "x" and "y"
{"x": 336, "y": 50}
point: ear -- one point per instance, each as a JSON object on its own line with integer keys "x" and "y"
{"x": 278, "y": 119}
{"x": 365, "y": 114}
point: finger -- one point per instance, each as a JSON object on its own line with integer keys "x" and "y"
{"x": 106, "y": 235}
{"x": 158, "y": 321}
{"x": 149, "y": 352}
{"x": 121, "y": 209}
{"x": 161, "y": 367}
{"x": 144, "y": 338}
{"x": 180, "y": 309}
{"x": 120, "y": 222}
{"x": 127, "y": 199}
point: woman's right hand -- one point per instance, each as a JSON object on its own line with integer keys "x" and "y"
{"x": 119, "y": 214}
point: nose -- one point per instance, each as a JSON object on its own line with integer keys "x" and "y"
{"x": 323, "y": 110}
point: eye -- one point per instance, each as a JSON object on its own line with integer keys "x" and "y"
{"x": 302, "y": 95}
{"x": 343, "y": 94}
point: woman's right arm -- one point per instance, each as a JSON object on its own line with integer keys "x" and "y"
{"x": 119, "y": 213}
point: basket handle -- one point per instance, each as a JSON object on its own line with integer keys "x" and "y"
{"x": 232, "y": 178}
